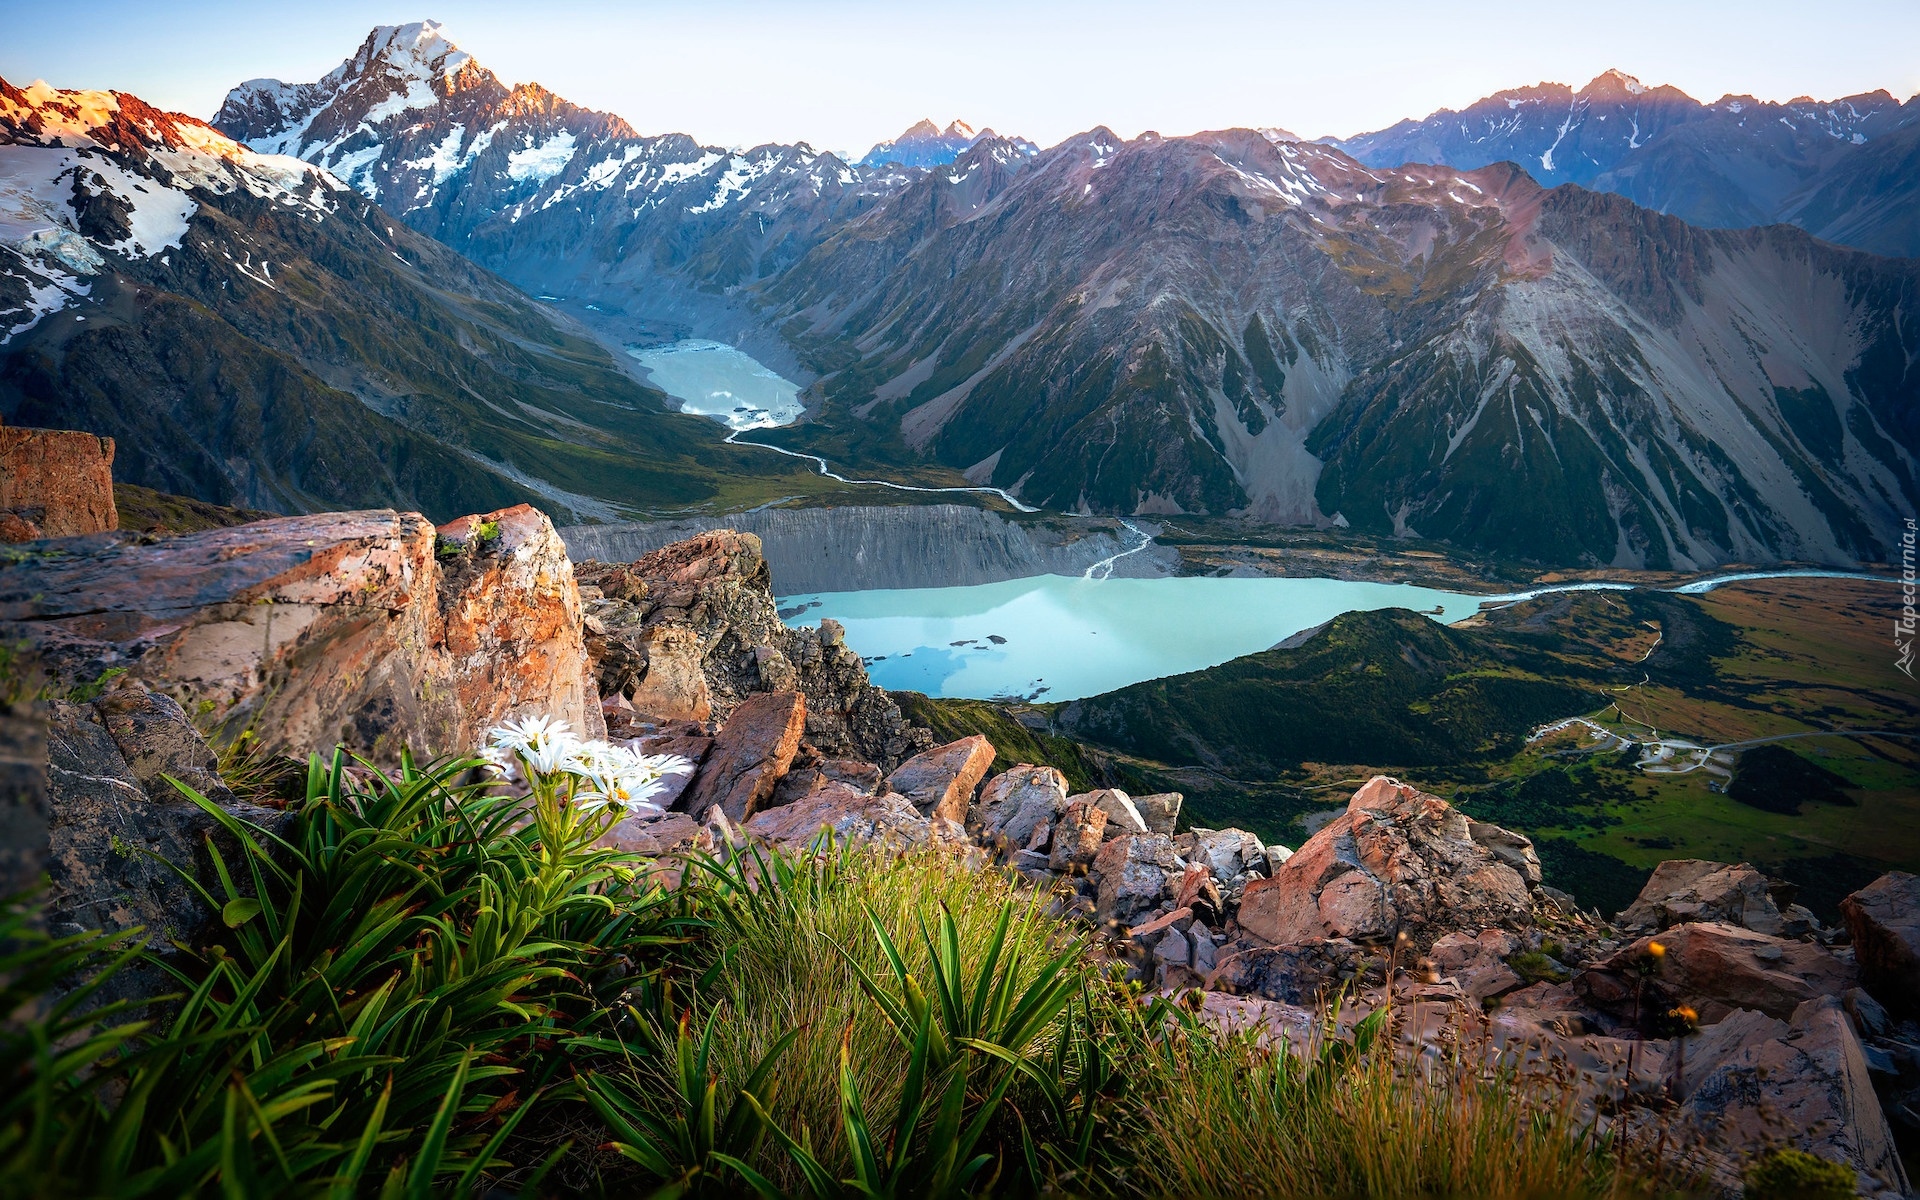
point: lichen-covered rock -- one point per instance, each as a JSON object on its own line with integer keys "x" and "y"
{"x": 1231, "y": 854}
{"x": 1014, "y": 802}
{"x": 1884, "y": 919}
{"x": 55, "y": 483}
{"x": 1133, "y": 874}
{"x": 117, "y": 830}
{"x": 339, "y": 627}
{"x": 1397, "y": 861}
{"x": 941, "y": 782}
{"x": 673, "y": 685}
{"x": 1806, "y": 1084}
{"x": 1122, "y": 817}
{"x": 1693, "y": 889}
{"x": 750, "y": 754}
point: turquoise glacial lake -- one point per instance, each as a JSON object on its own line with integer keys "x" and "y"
{"x": 1053, "y": 637}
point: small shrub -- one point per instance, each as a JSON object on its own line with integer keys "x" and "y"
{"x": 1784, "y": 1173}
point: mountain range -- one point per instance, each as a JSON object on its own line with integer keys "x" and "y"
{"x": 925, "y": 144}
{"x": 252, "y": 331}
{"x": 1501, "y": 356}
{"x": 1846, "y": 170}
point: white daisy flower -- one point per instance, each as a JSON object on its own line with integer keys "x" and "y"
{"x": 544, "y": 744}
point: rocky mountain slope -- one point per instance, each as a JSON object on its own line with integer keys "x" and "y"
{"x": 925, "y": 144}
{"x": 251, "y": 331}
{"x": 1224, "y": 323}
{"x": 1732, "y": 163}
{"x": 1227, "y": 323}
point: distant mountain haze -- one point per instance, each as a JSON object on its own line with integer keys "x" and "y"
{"x": 1821, "y": 165}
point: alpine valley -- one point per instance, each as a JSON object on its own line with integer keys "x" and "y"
{"x": 1353, "y": 335}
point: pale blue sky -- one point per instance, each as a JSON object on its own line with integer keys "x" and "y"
{"x": 843, "y": 74}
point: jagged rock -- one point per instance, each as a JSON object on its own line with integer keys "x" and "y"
{"x": 340, "y": 627}
{"x": 1160, "y": 811}
{"x": 55, "y": 483}
{"x": 940, "y": 782}
{"x": 1014, "y": 802}
{"x": 1806, "y": 1081}
{"x": 1884, "y": 920}
{"x": 717, "y": 587}
{"x": 1077, "y": 838}
{"x": 1509, "y": 847}
{"x": 750, "y": 754}
{"x": 1198, "y": 890}
{"x": 853, "y": 815}
{"x": 1231, "y": 854}
{"x": 1133, "y": 872}
{"x": 1122, "y": 817}
{"x": 1311, "y": 971}
{"x": 803, "y": 781}
{"x": 1478, "y": 963}
{"x": 1716, "y": 968}
{"x": 1692, "y": 889}
{"x": 1398, "y": 860}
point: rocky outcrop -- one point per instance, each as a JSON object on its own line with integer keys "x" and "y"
{"x": 55, "y": 483}
{"x": 1398, "y": 861}
{"x": 691, "y": 630}
{"x": 1016, "y": 803}
{"x": 369, "y": 629}
{"x": 1884, "y": 920}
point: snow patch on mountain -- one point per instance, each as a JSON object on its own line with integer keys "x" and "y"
{"x": 539, "y": 163}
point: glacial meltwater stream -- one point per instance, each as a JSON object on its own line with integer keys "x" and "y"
{"x": 1047, "y": 637}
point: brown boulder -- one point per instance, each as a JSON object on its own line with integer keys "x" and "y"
{"x": 55, "y": 483}
{"x": 1692, "y": 889}
{"x": 339, "y": 627}
{"x": 1478, "y": 963}
{"x": 1884, "y": 919}
{"x": 750, "y": 754}
{"x": 1716, "y": 968}
{"x": 1397, "y": 861}
{"x": 851, "y": 815}
{"x": 940, "y": 782}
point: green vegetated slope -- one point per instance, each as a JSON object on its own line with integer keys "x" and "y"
{"x": 1265, "y": 741}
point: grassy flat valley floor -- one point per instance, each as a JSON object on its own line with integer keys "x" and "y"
{"x": 1275, "y": 740}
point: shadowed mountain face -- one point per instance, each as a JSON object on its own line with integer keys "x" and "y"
{"x": 1224, "y": 323}
{"x": 1733, "y": 163}
{"x": 251, "y": 331}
